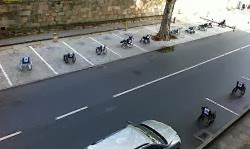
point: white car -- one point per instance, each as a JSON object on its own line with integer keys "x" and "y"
{"x": 149, "y": 134}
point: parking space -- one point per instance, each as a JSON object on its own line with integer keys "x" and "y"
{"x": 52, "y": 53}
{"x": 10, "y": 61}
{"x": 138, "y": 33}
{"x": 113, "y": 42}
{"x": 87, "y": 48}
{"x": 3, "y": 80}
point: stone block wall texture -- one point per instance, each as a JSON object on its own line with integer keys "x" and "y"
{"x": 18, "y": 17}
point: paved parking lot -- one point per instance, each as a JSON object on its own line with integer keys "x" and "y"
{"x": 47, "y": 56}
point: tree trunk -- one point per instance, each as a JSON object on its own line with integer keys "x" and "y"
{"x": 164, "y": 32}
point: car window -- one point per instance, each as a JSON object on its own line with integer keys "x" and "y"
{"x": 158, "y": 138}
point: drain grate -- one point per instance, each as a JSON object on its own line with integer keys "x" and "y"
{"x": 203, "y": 135}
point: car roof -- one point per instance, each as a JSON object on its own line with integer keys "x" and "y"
{"x": 127, "y": 138}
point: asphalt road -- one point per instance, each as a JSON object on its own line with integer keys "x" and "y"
{"x": 176, "y": 100}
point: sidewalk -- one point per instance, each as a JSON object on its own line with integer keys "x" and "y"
{"x": 47, "y": 55}
{"x": 70, "y": 33}
{"x": 234, "y": 135}
{"x": 237, "y": 18}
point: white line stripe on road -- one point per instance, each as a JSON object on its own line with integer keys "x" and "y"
{"x": 222, "y": 106}
{"x": 133, "y": 44}
{"x": 70, "y": 113}
{"x": 10, "y": 135}
{"x": 106, "y": 46}
{"x": 246, "y": 78}
{"x": 5, "y": 75}
{"x": 78, "y": 53}
{"x": 178, "y": 72}
{"x": 52, "y": 69}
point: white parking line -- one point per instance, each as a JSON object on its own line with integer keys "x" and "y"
{"x": 78, "y": 53}
{"x": 10, "y": 135}
{"x": 246, "y": 78}
{"x": 70, "y": 113}
{"x": 222, "y": 106}
{"x": 133, "y": 44}
{"x": 52, "y": 69}
{"x": 5, "y": 75}
{"x": 106, "y": 46}
{"x": 178, "y": 72}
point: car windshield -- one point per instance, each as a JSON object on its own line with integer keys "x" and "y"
{"x": 152, "y": 134}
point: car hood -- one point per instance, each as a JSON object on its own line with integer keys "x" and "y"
{"x": 127, "y": 138}
{"x": 166, "y": 131}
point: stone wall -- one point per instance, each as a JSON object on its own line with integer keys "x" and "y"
{"x": 18, "y": 17}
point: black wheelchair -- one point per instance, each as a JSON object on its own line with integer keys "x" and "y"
{"x": 26, "y": 63}
{"x": 69, "y": 57}
{"x": 208, "y": 25}
{"x": 202, "y": 27}
{"x": 207, "y": 117}
{"x": 145, "y": 39}
{"x": 101, "y": 50}
{"x": 190, "y": 30}
{"x": 176, "y": 31}
{"x": 239, "y": 86}
{"x": 222, "y": 23}
{"x": 127, "y": 43}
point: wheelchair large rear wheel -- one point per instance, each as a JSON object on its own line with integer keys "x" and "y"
{"x": 242, "y": 92}
{"x": 73, "y": 59}
{"x": 234, "y": 91}
{"x": 98, "y": 51}
{"x": 65, "y": 58}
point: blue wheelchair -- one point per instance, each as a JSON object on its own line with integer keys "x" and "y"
{"x": 26, "y": 63}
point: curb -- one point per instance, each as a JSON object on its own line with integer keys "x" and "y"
{"x": 223, "y": 129}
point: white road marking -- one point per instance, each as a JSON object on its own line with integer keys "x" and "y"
{"x": 70, "y": 113}
{"x": 10, "y": 135}
{"x": 106, "y": 46}
{"x": 178, "y": 72}
{"x": 222, "y": 106}
{"x": 246, "y": 78}
{"x": 133, "y": 44}
{"x": 154, "y": 31}
{"x": 78, "y": 53}
{"x": 5, "y": 75}
{"x": 52, "y": 69}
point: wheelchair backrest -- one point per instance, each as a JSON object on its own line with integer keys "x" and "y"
{"x": 240, "y": 84}
{"x": 25, "y": 60}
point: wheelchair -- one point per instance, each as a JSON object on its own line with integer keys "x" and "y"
{"x": 25, "y": 63}
{"x": 175, "y": 31}
{"x": 145, "y": 39}
{"x": 101, "y": 50}
{"x": 206, "y": 119}
{"x": 190, "y": 30}
{"x": 202, "y": 27}
{"x": 127, "y": 43}
{"x": 239, "y": 86}
{"x": 69, "y": 57}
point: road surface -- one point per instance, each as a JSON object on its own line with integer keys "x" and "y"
{"x": 74, "y": 110}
